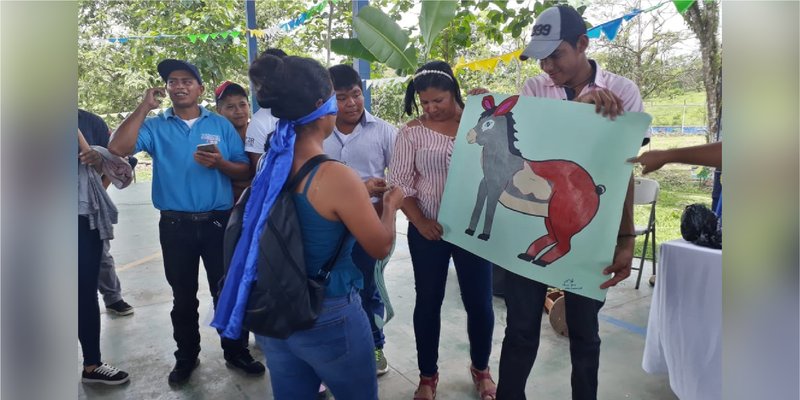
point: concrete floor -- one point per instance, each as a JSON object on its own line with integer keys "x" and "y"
{"x": 142, "y": 343}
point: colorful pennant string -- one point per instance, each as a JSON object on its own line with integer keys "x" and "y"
{"x": 294, "y": 23}
{"x": 609, "y": 29}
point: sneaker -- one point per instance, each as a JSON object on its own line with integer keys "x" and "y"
{"x": 105, "y": 374}
{"x": 183, "y": 370}
{"x": 120, "y": 308}
{"x": 380, "y": 362}
{"x": 245, "y": 363}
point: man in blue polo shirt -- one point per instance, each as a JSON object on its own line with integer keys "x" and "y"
{"x": 196, "y": 154}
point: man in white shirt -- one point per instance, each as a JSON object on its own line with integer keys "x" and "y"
{"x": 262, "y": 124}
{"x": 364, "y": 143}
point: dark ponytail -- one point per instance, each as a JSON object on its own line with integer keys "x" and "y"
{"x": 410, "y": 99}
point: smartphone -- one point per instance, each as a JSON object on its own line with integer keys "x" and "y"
{"x": 207, "y": 147}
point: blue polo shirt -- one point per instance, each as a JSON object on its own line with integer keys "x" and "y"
{"x": 179, "y": 182}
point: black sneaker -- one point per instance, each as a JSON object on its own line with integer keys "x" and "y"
{"x": 120, "y": 308}
{"x": 183, "y": 370}
{"x": 245, "y": 363}
{"x": 105, "y": 374}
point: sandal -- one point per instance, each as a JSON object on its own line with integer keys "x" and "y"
{"x": 478, "y": 377}
{"x": 429, "y": 381}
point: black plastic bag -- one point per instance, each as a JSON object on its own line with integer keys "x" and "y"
{"x": 699, "y": 225}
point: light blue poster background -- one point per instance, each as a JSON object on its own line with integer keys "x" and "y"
{"x": 547, "y": 129}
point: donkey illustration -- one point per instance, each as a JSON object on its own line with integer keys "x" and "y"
{"x": 561, "y": 191}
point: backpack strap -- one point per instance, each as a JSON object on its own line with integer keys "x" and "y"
{"x": 325, "y": 271}
{"x": 310, "y": 178}
{"x": 292, "y": 182}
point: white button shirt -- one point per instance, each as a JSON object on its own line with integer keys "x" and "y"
{"x": 368, "y": 149}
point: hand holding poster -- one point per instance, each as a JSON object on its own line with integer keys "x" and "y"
{"x": 536, "y": 186}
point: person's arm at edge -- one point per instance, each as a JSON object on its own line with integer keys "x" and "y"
{"x": 238, "y": 167}
{"x": 376, "y": 235}
{"x": 87, "y": 155}
{"x": 254, "y": 157}
{"x": 709, "y": 155}
{"x": 623, "y": 252}
{"x": 123, "y": 140}
{"x": 237, "y": 171}
{"x": 401, "y": 172}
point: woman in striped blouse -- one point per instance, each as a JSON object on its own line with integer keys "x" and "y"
{"x": 419, "y": 166}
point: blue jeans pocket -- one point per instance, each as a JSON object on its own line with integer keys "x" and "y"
{"x": 325, "y": 342}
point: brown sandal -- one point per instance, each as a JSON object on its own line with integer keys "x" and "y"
{"x": 429, "y": 381}
{"x": 477, "y": 378}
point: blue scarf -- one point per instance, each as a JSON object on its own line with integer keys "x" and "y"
{"x": 266, "y": 186}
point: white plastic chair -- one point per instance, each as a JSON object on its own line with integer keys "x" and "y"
{"x": 645, "y": 192}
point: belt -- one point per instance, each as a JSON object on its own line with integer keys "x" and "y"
{"x": 187, "y": 216}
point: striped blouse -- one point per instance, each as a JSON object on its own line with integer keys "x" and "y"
{"x": 419, "y": 166}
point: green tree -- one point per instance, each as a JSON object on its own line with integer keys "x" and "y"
{"x": 702, "y": 17}
{"x": 459, "y": 26}
{"x": 113, "y": 76}
{"x": 310, "y": 39}
{"x": 644, "y": 50}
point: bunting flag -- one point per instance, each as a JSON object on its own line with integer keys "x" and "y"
{"x": 609, "y": 29}
{"x": 192, "y": 37}
{"x": 301, "y": 19}
{"x": 488, "y": 64}
{"x": 234, "y": 33}
{"x": 683, "y": 5}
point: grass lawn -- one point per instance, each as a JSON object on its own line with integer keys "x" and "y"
{"x": 669, "y": 111}
{"x": 678, "y": 189}
{"x": 144, "y": 169}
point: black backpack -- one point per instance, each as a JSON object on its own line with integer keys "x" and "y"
{"x": 699, "y": 226}
{"x": 283, "y": 298}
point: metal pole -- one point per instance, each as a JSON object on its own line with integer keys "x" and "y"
{"x": 362, "y": 66}
{"x": 252, "y": 46}
{"x": 328, "y": 38}
{"x": 683, "y": 118}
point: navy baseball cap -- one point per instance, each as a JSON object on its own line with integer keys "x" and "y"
{"x": 553, "y": 26}
{"x": 169, "y": 65}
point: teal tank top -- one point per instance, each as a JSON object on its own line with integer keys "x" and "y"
{"x": 320, "y": 238}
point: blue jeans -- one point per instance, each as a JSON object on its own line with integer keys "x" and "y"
{"x": 370, "y": 297}
{"x": 431, "y": 259}
{"x": 338, "y": 350}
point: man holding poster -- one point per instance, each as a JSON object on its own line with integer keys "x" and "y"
{"x": 559, "y": 42}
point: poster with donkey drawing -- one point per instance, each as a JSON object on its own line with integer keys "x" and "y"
{"x": 536, "y": 186}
